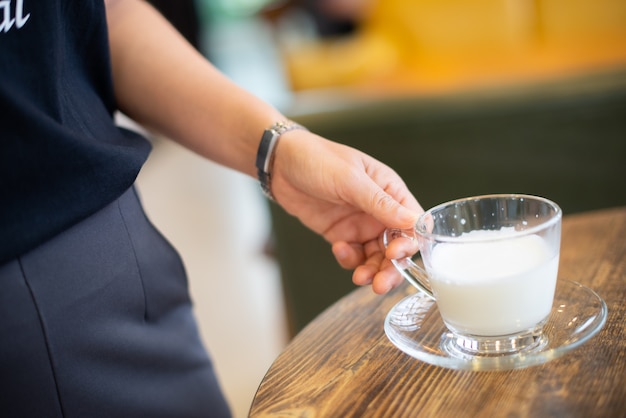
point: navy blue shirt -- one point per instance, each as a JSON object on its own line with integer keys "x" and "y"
{"x": 62, "y": 158}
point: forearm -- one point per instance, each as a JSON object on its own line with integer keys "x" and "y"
{"x": 166, "y": 85}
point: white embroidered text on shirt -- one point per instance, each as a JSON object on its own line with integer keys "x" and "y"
{"x": 8, "y": 21}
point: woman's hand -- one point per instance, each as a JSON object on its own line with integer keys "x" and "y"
{"x": 347, "y": 197}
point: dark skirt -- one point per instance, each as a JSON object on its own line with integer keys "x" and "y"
{"x": 98, "y": 322}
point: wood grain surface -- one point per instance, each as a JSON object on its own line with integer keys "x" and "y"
{"x": 343, "y": 365}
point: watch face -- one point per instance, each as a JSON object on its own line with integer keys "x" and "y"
{"x": 265, "y": 146}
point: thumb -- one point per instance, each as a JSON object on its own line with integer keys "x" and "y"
{"x": 391, "y": 212}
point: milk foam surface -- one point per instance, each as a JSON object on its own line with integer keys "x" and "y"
{"x": 494, "y": 287}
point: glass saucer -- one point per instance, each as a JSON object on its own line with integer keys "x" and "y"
{"x": 414, "y": 326}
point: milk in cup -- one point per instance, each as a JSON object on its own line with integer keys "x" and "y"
{"x": 493, "y": 287}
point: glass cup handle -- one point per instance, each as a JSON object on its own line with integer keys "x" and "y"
{"x": 413, "y": 273}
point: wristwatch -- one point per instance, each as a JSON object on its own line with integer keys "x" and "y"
{"x": 265, "y": 153}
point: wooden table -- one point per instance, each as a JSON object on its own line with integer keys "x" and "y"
{"x": 343, "y": 365}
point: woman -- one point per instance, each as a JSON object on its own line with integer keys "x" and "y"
{"x": 95, "y": 318}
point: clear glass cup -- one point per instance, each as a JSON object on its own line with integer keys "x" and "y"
{"x": 491, "y": 264}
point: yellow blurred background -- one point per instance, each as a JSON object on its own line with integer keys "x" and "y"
{"x": 426, "y": 45}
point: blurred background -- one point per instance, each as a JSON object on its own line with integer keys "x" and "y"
{"x": 460, "y": 97}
